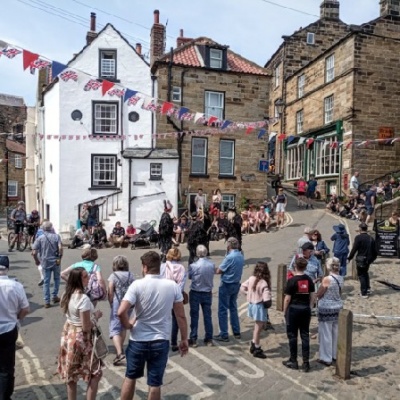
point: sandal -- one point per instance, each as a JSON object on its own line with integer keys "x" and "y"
{"x": 118, "y": 359}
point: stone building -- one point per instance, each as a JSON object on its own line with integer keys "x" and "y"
{"x": 341, "y": 103}
{"x": 12, "y": 152}
{"x": 206, "y": 77}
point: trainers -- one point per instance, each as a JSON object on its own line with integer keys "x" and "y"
{"x": 41, "y": 282}
{"x": 193, "y": 343}
{"x": 369, "y": 291}
{"x": 252, "y": 347}
{"x": 56, "y": 300}
{"x": 209, "y": 343}
{"x": 291, "y": 364}
{"x": 220, "y": 338}
{"x": 364, "y": 296}
{"x": 258, "y": 353}
{"x": 174, "y": 347}
{"x": 306, "y": 366}
{"x": 47, "y": 305}
{"x": 237, "y": 336}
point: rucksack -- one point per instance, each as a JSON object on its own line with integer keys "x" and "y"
{"x": 123, "y": 287}
{"x": 94, "y": 290}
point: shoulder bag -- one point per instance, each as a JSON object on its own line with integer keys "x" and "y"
{"x": 94, "y": 290}
{"x": 100, "y": 348}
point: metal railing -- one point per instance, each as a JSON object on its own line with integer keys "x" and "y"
{"x": 363, "y": 187}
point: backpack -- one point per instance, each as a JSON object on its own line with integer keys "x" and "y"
{"x": 123, "y": 287}
{"x": 94, "y": 290}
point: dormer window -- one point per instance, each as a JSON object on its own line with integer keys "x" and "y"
{"x": 108, "y": 64}
{"x": 216, "y": 58}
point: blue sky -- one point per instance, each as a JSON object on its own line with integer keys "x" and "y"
{"x": 252, "y": 28}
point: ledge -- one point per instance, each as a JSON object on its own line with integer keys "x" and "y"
{"x": 231, "y": 177}
{"x": 104, "y": 188}
{"x": 204, "y": 176}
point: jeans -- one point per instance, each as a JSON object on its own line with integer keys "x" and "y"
{"x": 343, "y": 263}
{"x": 153, "y": 354}
{"x": 7, "y": 363}
{"x": 174, "y": 331}
{"x": 227, "y": 300}
{"x": 46, "y": 286}
{"x": 298, "y": 319}
{"x": 203, "y": 299}
{"x": 363, "y": 277}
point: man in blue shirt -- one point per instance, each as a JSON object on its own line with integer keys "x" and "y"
{"x": 311, "y": 189}
{"x": 370, "y": 201}
{"x": 314, "y": 269}
{"x": 201, "y": 273}
{"x": 231, "y": 270}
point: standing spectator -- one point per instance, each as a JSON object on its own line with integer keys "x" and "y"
{"x": 153, "y": 298}
{"x": 14, "y": 306}
{"x": 299, "y": 299}
{"x": 304, "y": 239}
{"x": 216, "y": 202}
{"x": 301, "y": 192}
{"x": 80, "y": 238}
{"x": 313, "y": 268}
{"x": 93, "y": 217}
{"x": 196, "y": 236}
{"x": 18, "y": 217}
{"x": 231, "y": 270}
{"x": 311, "y": 190}
{"x": 33, "y": 222}
{"x": 201, "y": 273}
{"x": 200, "y": 200}
{"x": 281, "y": 202}
{"x": 370, "y": 201}
{"x": 47, "y": 252}
{"x": 84, "y": 215}
{"x": 277, "y": 184}
{"x": 76, "y": 358}
{"x": 235, "y": 225}
{"x": 354, "y": 183}
{"x": 329, "y": 305}
{"x": 258, "y": 290}
{"x": 341, "y": 246}
{"x": 365, "y": 251}
{"x": 118, "y": 284}
{"x": 117, "y": 236}
{"x": 321, "y": 249}
{"x": 165, "y": 229}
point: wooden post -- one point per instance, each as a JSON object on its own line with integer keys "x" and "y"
{"x": 354, "y": 269}
{"x": 343, "y": 359}
{"x": 281, "y": 283}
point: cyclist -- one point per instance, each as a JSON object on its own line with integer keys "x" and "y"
{"x": 18, "y": 217}
{"x": 33, "y": 226}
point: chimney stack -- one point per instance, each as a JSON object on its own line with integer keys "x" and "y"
{"x": 91, "y": 35}
{"x": 157, "y": 43}
{"x": 181, "y": 40}
{"x": 390, "y": 7}
{"x": 139, "y": 48}
{"x": 330, "y": 9}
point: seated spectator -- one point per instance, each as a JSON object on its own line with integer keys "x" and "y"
{"x": 222, "y": 223}
{"x": 99, "y": 236}
{"x": 183, "y": 227}
{"x": 81, "y": 237}
{"x": 333, "y": 204}
{"x": 117, "y": 236}
{"x": 263, "y": 219}
{"x": 130, "y": 231}
{"x": 253, "y": 219}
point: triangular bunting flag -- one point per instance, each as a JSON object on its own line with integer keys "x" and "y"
{"x": 225, "y": 124}
{"x": 166, "y": 107}
{"x": 57, "y": 68}
{"x": 182, "y": 111}
{"x": 198, "y": 116}
{"x": 272, "y": 135}
{"x": 28, "y": 58}
{"x": 106, "y": 86}
{"x": 261, "y": 133}
{"x": 309, "y": 142}
{"x": 211, "y": 120}
{"x": 281, "y": 137}
{"x": 301, "y": 141}
{"x": 249, "y": 130}
{"x": 129, "y": 93}
{"x": 290, "y": 139}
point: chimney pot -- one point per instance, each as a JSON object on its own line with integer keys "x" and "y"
{"x": 390, "y": 7}
{"x": 139, "y": 48}
{"x": 156, "y": 16}
{"x": 93, "y": 22}
{"x": 181, "y": 33}
{"x": 330, "y": 9}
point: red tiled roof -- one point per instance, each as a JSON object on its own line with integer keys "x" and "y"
{"x": 15, "y": 147}
{"x": 189, "y": 55}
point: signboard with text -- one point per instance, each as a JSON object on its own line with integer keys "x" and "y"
{"x": 263, "y": 165}
{"x": 386, "y": 132}
{"x": 387, "y": 239}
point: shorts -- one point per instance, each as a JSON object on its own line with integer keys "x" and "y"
{"x": 280, "y": 207}
{"x": 92, "y": 222}
{"x": 18, "y": 227}
{"x": 310, "y": 195}
{"x": 153, "y": 354}
{"x": 257, "y": 312}
{"x": 370, "y": 210}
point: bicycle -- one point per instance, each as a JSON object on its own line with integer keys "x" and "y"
{"x": 22, "y": 239}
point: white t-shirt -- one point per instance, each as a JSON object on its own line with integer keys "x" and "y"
{"x": 153, "y": 298}
{"x": 78, "y": 302}
{"x": 354, "y": 182}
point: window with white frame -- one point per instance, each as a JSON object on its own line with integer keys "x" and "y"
{"x": 330, "y": 68}
{"x": 328, "y": 109}
{"x": 227, "y": 157}
{"x": 105, "y": 118}
{"x": 310, "y": 38}
{"x": 18, "y": 161}
{"x": 155, "y": 171}
{"x": 216, "y": 56}
{"x": 277, "y": 76}
{"x": 12, "y": 190}
{"x": 214, "y": 104}
{"x": 176, "y": 94}
{"x": 327, "y": 157}
{"x": 301, "y": 81}
{"x": 299, "y": 121}
{"x": 108, "y": 64}
{"x": 295, "y": 162}
{"x": 199, "y": 156}
{"x": 276, "y": 111}
{"x": 228, "y": 201}
{"x": 104, "y": 170}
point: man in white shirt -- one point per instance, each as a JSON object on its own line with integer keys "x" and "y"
{"x": 14, "y": 306}
{"x": 199, "y": 200}
{"x": 354, "y": 183}
{"x": 304, "y": 239}
{"x": 153, "y": 299}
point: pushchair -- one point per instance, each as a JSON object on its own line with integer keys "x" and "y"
{"x": 146, "y": 238}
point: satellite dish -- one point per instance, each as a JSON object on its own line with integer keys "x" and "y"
{"x": 133, "y": 116}
{"x": 76, "y": 115}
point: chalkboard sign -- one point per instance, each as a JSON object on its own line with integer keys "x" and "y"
{"x": 387, "y": 239}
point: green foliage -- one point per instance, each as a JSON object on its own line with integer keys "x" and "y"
{"x": 244, "y": 203}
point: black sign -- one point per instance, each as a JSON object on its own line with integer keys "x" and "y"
{"x": 387, "y": 239}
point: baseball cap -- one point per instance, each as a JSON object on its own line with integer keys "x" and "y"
{"x": 307, "y": 246}
{"x": 4, "y": 262}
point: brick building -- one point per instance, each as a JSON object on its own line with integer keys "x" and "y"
{"x": 209, "y": 78}
{"x": 12, "y": 152}
{"x": 347, "y": 95}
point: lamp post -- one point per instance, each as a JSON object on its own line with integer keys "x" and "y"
{"x": 280, "y": 106}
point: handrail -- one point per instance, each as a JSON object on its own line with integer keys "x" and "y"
{"x": 363, "y": 186}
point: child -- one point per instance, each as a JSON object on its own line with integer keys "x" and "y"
{"x": 258, "y": 290}
{"x": 118, "y": 284}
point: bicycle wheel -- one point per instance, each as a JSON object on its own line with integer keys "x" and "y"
{"x": 11, "y": 236}
{"x": 23, "y": 242}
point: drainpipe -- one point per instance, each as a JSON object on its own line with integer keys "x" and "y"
{"x": 130, "y": 190}
{"x": 7, "y": 162}
{"x": 153, "y": 115}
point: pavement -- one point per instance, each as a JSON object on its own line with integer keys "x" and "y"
{"x": 228, "y": 371}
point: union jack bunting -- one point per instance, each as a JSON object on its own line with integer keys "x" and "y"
{"x": 10, "y": 52}
{"x": 92, "y": 85}
{"x": 40, "y": 64}
{"x": 132, "y": 101}
{"x": 116, "y": 92}
{"x": 67, "y": 75}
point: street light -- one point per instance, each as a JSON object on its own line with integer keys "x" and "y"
{"x": 280, "y": 106}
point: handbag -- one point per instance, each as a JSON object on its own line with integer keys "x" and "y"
{"x": 94, "y": 290}
{"x": 100, "y": 348}
{"x": 361, "y": 261}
